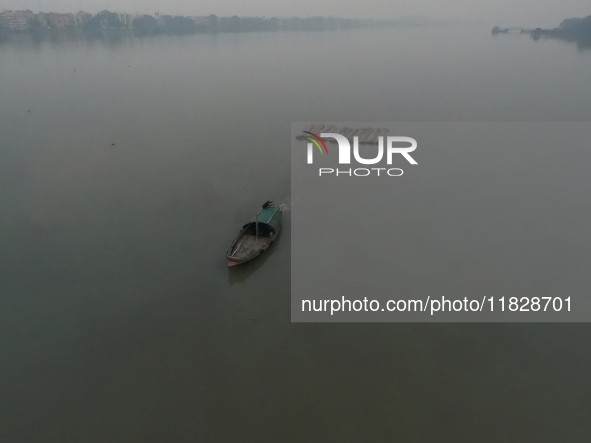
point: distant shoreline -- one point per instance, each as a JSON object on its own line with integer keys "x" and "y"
{"x": 576, "y": 30}
{"x": 107, "y": 23}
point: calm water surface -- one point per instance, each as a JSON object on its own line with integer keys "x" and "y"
{"x": 119, "y": 320}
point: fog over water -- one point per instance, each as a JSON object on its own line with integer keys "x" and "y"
{"x": 127, "y": 166}
{"x": 530, "y": 13}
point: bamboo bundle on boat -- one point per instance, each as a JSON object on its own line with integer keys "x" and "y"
{"x": 365, "y": 135}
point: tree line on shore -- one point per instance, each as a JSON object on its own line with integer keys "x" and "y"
{"x": 577, "y": 27}
{"x": 577, "y": 30}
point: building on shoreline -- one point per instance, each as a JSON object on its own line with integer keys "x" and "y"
{"x": 16, "y": 20}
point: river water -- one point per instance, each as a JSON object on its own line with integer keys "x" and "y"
{"x": 126, "y": 168}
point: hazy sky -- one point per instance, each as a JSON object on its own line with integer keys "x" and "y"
{"x": 502, "y": 12}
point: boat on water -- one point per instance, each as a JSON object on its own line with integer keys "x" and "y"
{"x": 256, "y": 235}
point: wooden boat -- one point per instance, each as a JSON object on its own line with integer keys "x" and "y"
{"x": 256, "y": 235}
